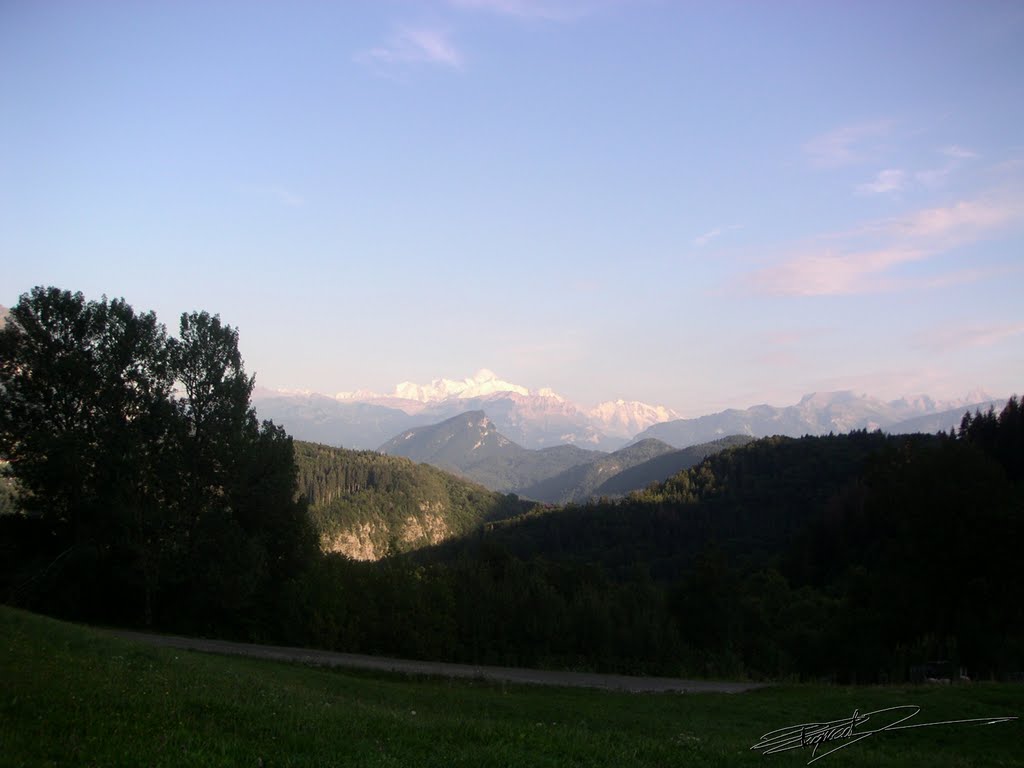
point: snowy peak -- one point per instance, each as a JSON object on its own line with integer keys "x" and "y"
{"x": 829, "y": 399}
{"x": 971, "y": 398}
{"x": 481, "y": 384}
{"x": 625, "y": 418}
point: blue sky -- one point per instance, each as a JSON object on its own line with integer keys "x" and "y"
{"x": 699, "y": 205}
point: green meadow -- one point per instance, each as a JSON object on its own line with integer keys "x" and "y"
{"x": 74, "y": 696}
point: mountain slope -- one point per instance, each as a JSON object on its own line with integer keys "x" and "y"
{"x": 366, "y": 505}
{"x": 470, "y": 445}
{"x": 580, "y": 482}
{"x": 513, "y": 474}
{"x": 537, "y": 420}
{"x": 455, "y": 443}
{"x": 664, "y": 465}
{"x": 749, "y": 501}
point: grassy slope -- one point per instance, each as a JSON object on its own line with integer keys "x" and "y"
{"x": 73, "y": 696}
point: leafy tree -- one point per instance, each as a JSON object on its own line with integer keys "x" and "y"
{"x": 245, "y": 533}
{"x": 148, "y": 490}
{"x": 84, "y": 418}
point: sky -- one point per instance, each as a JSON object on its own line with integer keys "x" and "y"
{"x": 694, "y": 204}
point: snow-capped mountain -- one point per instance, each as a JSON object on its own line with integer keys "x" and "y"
{"x": 533, "y": 418}
{"x": 483, "y": 384}
{"x": 625, "y": 418}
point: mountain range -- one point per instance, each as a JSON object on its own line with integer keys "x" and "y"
{"x": 470, "y": 446}
{"x": 539, "y": 419}
{"x": 533, "y": 419}
{"x": 822, "y": 413}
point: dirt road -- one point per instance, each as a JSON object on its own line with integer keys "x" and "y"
{"x": 442, "y": 669}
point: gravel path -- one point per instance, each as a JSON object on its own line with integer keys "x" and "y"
{"x": 442, "y": 669}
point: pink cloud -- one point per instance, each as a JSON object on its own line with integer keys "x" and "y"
{"x": 861, "y": 261}
{"x": 960, "y": 218}
{"x": 831, "y": 274}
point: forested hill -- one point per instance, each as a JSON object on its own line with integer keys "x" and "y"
{"x": 749, "y": 500}
{"x": 855, "y": 557}
{"x": 578, "y": 483}
{"x": 367, "y": 505}
{"x": 664, "y": 465}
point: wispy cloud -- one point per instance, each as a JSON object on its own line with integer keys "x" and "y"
{"x": 847, "y": 145}
{"x": 949, "y": 339}
{"x": 547, "y": 10}
{"x": 955, "y": 223}
{"x": 933, "y": 177}
{"x": 415, "y": 45}
{"x": 710, "y": 235}
{"x": 956, "y": 157}
{"x": 864, "y": 260}
{"x": 960, "y": 153}
{"x": 887, "y": 181}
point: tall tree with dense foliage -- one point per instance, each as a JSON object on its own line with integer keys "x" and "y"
{"x": 84, "y": 420}
{"x": 149, "y": 490}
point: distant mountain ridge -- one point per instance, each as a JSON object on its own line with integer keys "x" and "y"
{"x": 931, "y": 423}
{"x": 816, "y": 414}
{"x": 541, "y": 418}
{"x": 470, "y": 446}
{"x": 533, "y": 419}
{"x": 665, "y": 465}
{"x": 577, "y": 484}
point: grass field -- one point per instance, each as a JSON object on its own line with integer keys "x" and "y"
{"x": 71, "y": 696}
